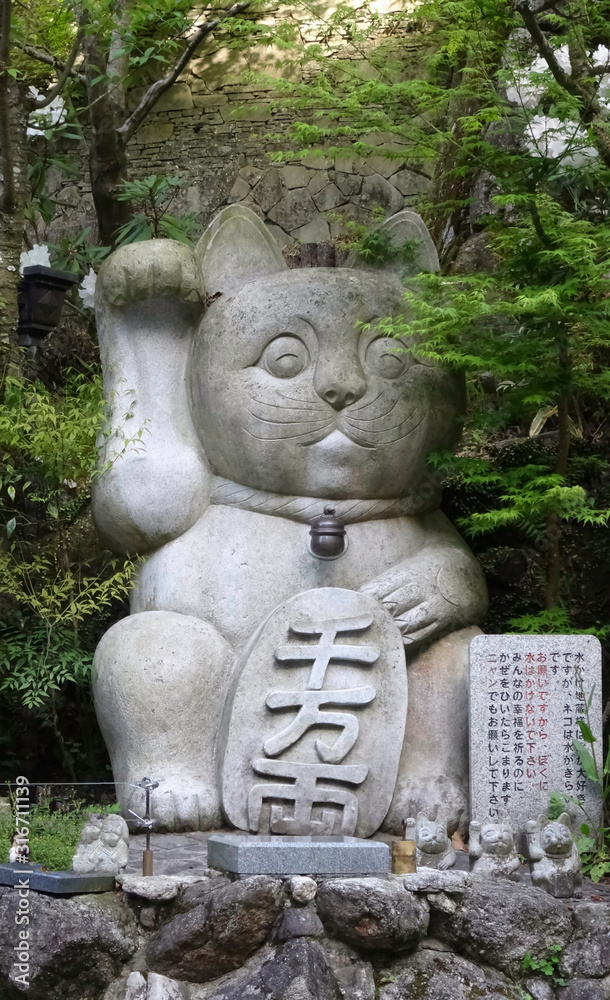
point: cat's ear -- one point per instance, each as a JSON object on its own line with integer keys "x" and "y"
{"x": 407, "y": 231}
{"x": 506, "y": 824}
{"x": 422, "y": 818}
{"x": 237, "y": 248}
{"x": 441, "y": 819}
{"x": 566, "y": 820}
{"x": 543, "y": 820}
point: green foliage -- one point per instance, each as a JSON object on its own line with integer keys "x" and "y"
{"x": 547, "y": 966}
{"x": 554, "y": 621}
{"x": 54, "y": 579}
{"x": 53, "y": 835}
{"x": 39, "y": 659}
{"x": 77, "y": 254}
{"x": 152, "y": 197}
{"x": 46, "y": 24}
{"x": 46, "y": 154}
{"x": 594, "y": 843}
{"x": 375, "y": 246}
{"x": 42, "y": 159}
{"x": 119, "y": 46}
{"x": 556, "y": 805}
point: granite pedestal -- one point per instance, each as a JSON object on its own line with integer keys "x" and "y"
{"x": 56, "y": 883}
{"x": 246, "y": 854}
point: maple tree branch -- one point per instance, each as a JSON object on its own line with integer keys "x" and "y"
{"x": 545, "y": 49}
{"x": 154, "y": 92}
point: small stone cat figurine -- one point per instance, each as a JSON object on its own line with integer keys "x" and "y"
{"x": 104, "y": 845}
{"x": 244, "y": 398}
{"x": 433, "y": 848}
{"x": 492, "y": 847}
{"x": 554, "y": 857}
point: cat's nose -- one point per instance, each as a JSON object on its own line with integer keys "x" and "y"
{"x": 340, "y": 385}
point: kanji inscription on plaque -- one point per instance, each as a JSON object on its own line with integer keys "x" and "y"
{"x": 318, "y": 719}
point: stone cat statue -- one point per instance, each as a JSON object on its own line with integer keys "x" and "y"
{"x": 554, "y": 857}
{"x": 245, "y": 397}
{"x": 433, "y": 848}
{"x": 492, "y": 847}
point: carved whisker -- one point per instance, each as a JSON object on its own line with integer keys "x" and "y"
{"x": 373, "y": 438}
{"x": 391, "y": 427}
{"x": 284, "y": 406}
{"x": 285, "y": 420}
{"x": 370, "y": 402}
{"x": 293, "y": 399}
{"x": 377, "y": 416}
{"x": 315, "y": 434}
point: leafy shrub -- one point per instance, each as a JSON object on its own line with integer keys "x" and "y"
{"x": 151, "y": 198}
{"x": 53, "y": 835}
{"x": 58, "y": 585}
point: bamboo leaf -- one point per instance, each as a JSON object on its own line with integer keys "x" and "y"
{"x": 587, "y": 735}
{"x": 586, "y": 759}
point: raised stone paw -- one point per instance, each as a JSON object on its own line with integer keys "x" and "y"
{"x": 178, "y": 804}
{"x": 156, "y": 268}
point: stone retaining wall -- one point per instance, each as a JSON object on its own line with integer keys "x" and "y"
{"x": 431, "y": 936}
{"x": 216, "y": 133}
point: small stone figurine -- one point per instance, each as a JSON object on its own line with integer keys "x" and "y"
{"x": 19, "y": 850}
{"x": 433, "y": 848}
{"x": 492, "y": 847}
{"x": 104, "y": 845}
{"x": 554, "y": 857}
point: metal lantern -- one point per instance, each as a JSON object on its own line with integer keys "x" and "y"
{"x": 328, "y": 539}
{"x": 42, "y": 291}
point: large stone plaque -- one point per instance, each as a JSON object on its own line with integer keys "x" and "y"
{"x": 527, "y": 694}
{"x": 315, "y": 726}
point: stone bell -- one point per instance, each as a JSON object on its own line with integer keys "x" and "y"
{"x": 327, "y": 535}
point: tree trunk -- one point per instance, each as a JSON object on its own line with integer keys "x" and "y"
{"x": 107, "y": 153}
{"x": 13, "y": 173}
{"x": 553, "y": 524}
{"x": 451, "y": 223}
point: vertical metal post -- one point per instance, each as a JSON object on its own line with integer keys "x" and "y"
{"x": 147, "y": 855}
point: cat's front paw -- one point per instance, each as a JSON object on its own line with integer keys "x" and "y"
{"x": 447, "y": 861}
{"x": 431, "y": 595}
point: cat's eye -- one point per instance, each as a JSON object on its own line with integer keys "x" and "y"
{"x": 386, "y": 357}
{"x": 285, "y": 356}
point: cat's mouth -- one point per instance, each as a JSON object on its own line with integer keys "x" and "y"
{"x": 338, "y": 439}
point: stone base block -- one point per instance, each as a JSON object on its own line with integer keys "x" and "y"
{"x": 252, "y": 854}
{"x": 56, "y": 883}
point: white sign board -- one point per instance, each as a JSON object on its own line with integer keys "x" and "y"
{"x": 527, "y": 695}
